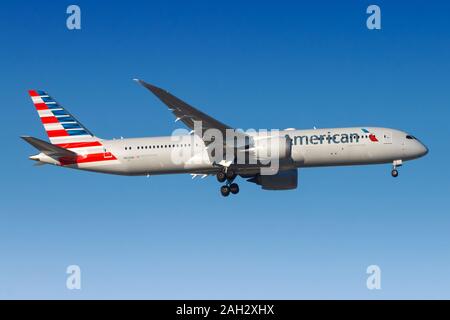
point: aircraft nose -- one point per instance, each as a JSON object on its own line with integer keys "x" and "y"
{"x": 423, "y": 150}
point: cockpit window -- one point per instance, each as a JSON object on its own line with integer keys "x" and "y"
{"x": 410, "y": 137}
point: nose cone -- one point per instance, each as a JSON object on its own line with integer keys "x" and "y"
{"x": 413, "y": 147}
{"x": 419, "y": 150}
{"x": 423, "y": 150}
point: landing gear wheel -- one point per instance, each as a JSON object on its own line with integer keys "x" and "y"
{"x": 225, "y": 191}
{"x": 230, "y": 174}
{"x": 394, "y": 173}
{"x": 221, "y": 177}
{"x": 234, "y": 188}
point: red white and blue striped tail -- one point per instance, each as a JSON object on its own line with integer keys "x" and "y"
{"x": 62, "y": 128}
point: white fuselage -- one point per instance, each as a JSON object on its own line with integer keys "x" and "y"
{"x": 310, "y": 148}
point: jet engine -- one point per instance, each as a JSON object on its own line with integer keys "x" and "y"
{"x": 283, "y": 180}
{"x": 271, "y": 148}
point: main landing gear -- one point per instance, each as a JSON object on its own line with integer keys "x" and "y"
{"x": 395, "y": 164}
{"x": 229, "y": 175}
{"x": 227, "y": 189}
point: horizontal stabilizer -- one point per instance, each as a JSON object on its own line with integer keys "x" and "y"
{"x": 39, "y": 164}
{"x": 49, "y": 149}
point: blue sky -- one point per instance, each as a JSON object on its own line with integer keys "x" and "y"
{"x": 251, "y": 64}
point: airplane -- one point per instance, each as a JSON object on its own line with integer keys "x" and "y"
{"x": 250, "y": 155}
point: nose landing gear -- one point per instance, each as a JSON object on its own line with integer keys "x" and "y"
{"x": 395, "y": 164}
{"x": 394, "y": 173}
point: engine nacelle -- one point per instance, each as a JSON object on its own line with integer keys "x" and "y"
{"x": 272, "y": 148}
{"x": 283, "y": 180}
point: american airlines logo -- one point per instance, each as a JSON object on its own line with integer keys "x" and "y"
{"x": 372, "y": 137}
{"x": 326, "y": 138}
{"x": 330, "y": 138}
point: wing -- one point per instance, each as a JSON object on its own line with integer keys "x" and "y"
{"x": 233, "y": 142}
{"x": 185, "y": 112}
